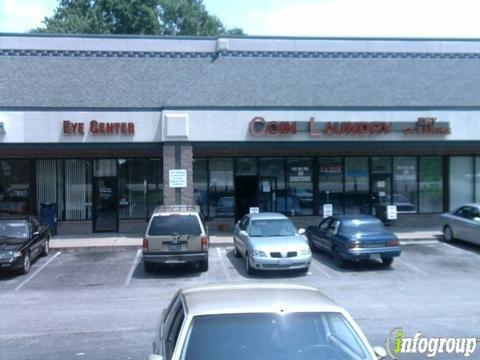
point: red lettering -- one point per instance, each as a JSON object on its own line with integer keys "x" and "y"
{"x": 131, "y": 128}
{"x": 124, "y": 128}
{"x": 67, "y": 127}
{"x": 313, "y": 130}
{"x": 94, "y": 127}
{"x": 81, "y": 128}
{"x": 272, "y": 127}
{"x": 109, "y": 128}
{"x": 257, "y": 126}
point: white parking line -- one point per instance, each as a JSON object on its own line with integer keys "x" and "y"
{"x": 135, "y": 262}
{"x": 459, "y": 250}
{"x": 36, "y": 272}
{"x": 412, "y": 267}
{"x": 224, "y": 265}
{"x": 319, "y": 267}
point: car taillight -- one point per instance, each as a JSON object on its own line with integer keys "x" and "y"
{"x": 145, "y": 244}
{"x": 205, "y": 243}
{"x": 393, "y": 242}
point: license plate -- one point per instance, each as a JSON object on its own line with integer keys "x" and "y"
{"x": 174, "y": 247}
{"x": 375, "y": 257}
{"x": 284, "y": 263}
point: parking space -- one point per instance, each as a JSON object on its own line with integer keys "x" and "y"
{"x": 76, "y": 268}
{"x": 90, "y": 295}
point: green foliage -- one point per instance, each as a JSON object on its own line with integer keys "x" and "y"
{"x": 137, "y": 17}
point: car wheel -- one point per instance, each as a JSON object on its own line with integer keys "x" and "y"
{"x": 248, "y": 268}
{"x": 203, "y": 265}
{"x": 448, "y": 234}
{"x": 26, "y": 264}
{"x": 148, "y": 267}
{"x": 236, "y": 253}
{"x": 46, "y": 248}
{"x": 387, "y": 261}
{"x": 304, "y": 270}
{"x": 337, "y": 258}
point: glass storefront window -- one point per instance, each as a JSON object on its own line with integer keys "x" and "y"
{"x": 154, "y": 184}
{"x": 272, "y": 185}
{"x": 200, "y": 184}
{"x": 132, "y": 189}
{"x": 461, "y": 180}
{"x": 330, "y": 183}
{"x": 221, "y": 194}
{"x": 431, "y": 184}
{"x": 246, "y": 166}
{"x": 50, "y": 184}
{"x": 477, "y": 179}
{"x": 78, "y": 190}
{"x": 14, "y": 187}
{"x": 405, "y": 184}
{"x": 300, "y": 186}
{"x": 356, "y": 185}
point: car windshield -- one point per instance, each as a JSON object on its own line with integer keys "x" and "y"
{"x": 362, "y": 225}
{"x": 174, "y": 224}
{"x": 273, "y": 336}
{"x": 13, "y": 231}
{"x": 272, "y": 227}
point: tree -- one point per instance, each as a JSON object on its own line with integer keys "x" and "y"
{"x": 137, "y": 17}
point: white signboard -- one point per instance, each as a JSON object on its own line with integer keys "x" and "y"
{"x": 327, "y": 210}
{"x": 391, "y": 212}
{"x": 178, "y": 178}
{"x": 254, "y": 210}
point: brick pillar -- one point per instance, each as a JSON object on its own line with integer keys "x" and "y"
{"x": 177, "y": 156}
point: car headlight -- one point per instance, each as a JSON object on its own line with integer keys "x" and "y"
{"x": 17, "y": 254}
{"x": 306, "y": 252}
{"x": 259, "y": 253}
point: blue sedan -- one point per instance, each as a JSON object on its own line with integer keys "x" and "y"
{"x": 354, "y": 238}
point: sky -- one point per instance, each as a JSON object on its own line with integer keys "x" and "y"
{"x": 318, "y": 18}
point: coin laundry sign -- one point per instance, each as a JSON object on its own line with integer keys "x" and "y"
{"x": 98, "y": 128}
{"x": 424, "y": 126}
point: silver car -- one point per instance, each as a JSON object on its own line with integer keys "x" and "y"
{"x": 462, "y": 224}
{"x": 269, "y": 241}
{"x": 269, "y": 321}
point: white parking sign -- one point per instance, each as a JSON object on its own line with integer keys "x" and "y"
{"x": 327, "y": 210}
{"x": 391, "y": 212}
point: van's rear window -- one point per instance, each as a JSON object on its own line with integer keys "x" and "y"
{"x": 175, "y": 225}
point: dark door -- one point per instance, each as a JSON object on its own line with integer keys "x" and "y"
{"x": 380, "y": 196}
{"x": 267, "y": 192}
{"x": 105, "y": 204}
{"x": 245, "y": 195}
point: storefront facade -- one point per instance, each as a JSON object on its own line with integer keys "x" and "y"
{"x": 104, "y": 156}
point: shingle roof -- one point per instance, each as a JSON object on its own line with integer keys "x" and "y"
{"x": 116, "y": 79}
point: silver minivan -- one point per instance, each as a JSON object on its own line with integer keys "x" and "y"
{"x": 176, "y": 234}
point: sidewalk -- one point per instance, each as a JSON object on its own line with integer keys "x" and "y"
{"x": 110, "y": 241}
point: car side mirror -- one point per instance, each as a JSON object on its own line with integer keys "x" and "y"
{"x": 380, "y": 352}
{"x": 155, "y": 357}
{"x": 301, "y": 231}
{"x": 243, "y": 233}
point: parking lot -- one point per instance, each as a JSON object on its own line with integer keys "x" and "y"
{"x": 85, "y": 304}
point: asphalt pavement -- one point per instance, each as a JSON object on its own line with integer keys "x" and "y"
{"x": 83, "y": 304}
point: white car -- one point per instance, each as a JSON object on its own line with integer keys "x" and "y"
{"x": 462, "y": 224}
{"x": 269, "y": 241}
{"x": 268, "y": 321}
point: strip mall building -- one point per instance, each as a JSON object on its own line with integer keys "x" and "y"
{"x": 96, "y": 124}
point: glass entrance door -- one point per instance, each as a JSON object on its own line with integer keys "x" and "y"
{"x": 105, "y": 215}
{"x": 380, "y": 185}
{"x": 267, "y": 193}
